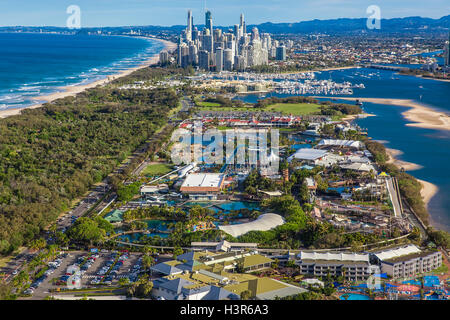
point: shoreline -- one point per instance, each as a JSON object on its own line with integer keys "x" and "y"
{"x": 420, "y": 115}
{"x": 73, "y": 90}
{"x": 407, "y": 166}
{"x": 428, "y": 191}
{"x": 431, "y": 78}
{"x": 423, "y": 117}
{"x": 320, "y": 70}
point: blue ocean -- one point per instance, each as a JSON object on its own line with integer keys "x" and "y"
{"x": 35, "y": 64}
{"x": 428, "y": 148}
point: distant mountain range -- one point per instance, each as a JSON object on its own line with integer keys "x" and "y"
{"x": 416, "y": 25}
{"x": 346, "y": 25}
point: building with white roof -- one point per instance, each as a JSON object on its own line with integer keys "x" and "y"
{"x": 329, "y": 160}
{"x": 330, "y": 256}
{"x": 203, "y": 186}
{"x": 354, "y": 266}
{"x": 407, "y": 261}
{"x": 359, "y": 167}
{"x": 264, "y": 222}
{"x": 308, "y": 155}
{"x": 341, "y": 143}
{"x": 223, "y": 246}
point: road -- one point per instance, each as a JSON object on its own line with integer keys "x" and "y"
{"x": 98, "y": 192}
{"x": 16, "y": 264}
{"x": 93, "y": 197}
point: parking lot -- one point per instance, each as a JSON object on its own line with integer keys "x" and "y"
{"x": 86, "y": 270}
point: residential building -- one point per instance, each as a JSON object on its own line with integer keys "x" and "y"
{"x": 407, "y": 261}
{"x": 281, "y": 53}
{"x": 352, "y": 266}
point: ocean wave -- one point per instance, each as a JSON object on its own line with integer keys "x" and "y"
{"x": 9, "y": 97}
{"x": 26, "y": 88}
{"x": 20, "y": 95}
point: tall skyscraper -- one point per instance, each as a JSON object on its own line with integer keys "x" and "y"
{"x": 255, "y": 34}
{"x": 236, "y": 32}
{"x": 228, "y": 59}
{"x": 281, "y": 53}
{"x": 203, "y": 59}
{"x": 219, "y": 59}
{"x": 190, "y": 26}
{"x": 447, "y": 52}
{"x": 243, "y": 26}
{"x": 163, "y": 57}
{"x": 208, "y": 22}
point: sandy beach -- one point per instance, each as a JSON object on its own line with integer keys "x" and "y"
{"x": 428, "y": 191}
{"x": 357, "y": 116}
{"x": 336, "y": 68}
{"x": 407, "y": 166}
{"x": 73, "y": 90}
{"x": 420, "y": 115}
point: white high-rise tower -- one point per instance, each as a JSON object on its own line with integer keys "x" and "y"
{"x": 190, "y": 26}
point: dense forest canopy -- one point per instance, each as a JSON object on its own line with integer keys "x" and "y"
{"x": 49, "y": 156}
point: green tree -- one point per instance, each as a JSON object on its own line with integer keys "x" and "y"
{"x": 177, "y": 251}
{"x": 89, "y": 230}
{"x": 124, "y": 282}
{"x": 147, "y": 262}
{"x": 246, "y": 295}
{"x": 38, "y": 244}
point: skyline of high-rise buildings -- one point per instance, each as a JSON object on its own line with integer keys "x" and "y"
{"x": 234, "y": 49}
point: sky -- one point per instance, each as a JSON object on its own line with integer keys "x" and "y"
{"x": 103, "y": 13}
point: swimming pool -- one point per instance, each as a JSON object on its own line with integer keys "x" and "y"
{"x": 226, "y": 207}
{"x": 354, "y": 296}
{"x": 429, "y": 281}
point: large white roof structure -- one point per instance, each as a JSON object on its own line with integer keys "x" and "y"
{"x": 397, "y": 252}
{"x": 329, "y": 256}
{"x": 329, "y": 160}
{"x": 341, "y": 143}
{"x": 308, "y": 154}
{"x": 263, "y": 223}
{"x": 203, "y": 182}
{"x": 359, "y": 167}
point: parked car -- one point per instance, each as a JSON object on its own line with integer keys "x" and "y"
{"x": 29, "y": 291}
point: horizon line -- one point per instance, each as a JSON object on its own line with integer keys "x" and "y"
{"x": 177, "y": 25}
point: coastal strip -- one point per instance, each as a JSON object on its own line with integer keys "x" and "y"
{"x": 423, "y": 117}
{"x": 420, "y": 115}
{"x": 407, "y": 166}
{"x": 428, "y": 191}
{"x": 73, "y": 90}
{"x": 322, "y": 70}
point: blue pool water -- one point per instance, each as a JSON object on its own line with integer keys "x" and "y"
{"x": 354, "y": 296}
{"x": 238, "y": 205}
{"x": 429, "y": 281}
{"x": 300, "y": 146}
{"x": 156, "y": 225}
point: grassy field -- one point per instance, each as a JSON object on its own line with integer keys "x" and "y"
{"x": 157, "y": 169}
{"x": 296, "y": 109}
{"x": 208, "y": 104}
